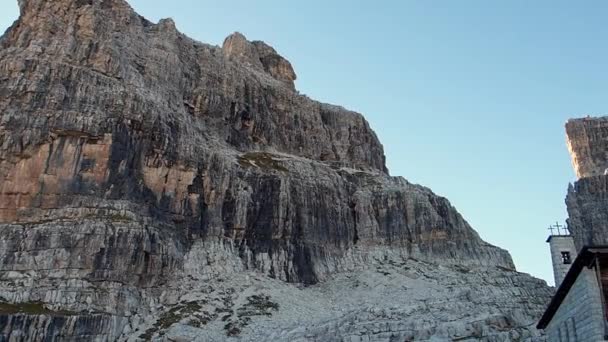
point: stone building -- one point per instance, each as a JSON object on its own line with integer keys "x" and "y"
{"x": 563, "y": 252}
{"x": 577, "y": 311}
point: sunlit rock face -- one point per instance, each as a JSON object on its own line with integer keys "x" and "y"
{"x": 588, "y": 145}
{"x": 260, "y": 56}
{"x": 587, "y": 198}
{"x": 137, "y": 164}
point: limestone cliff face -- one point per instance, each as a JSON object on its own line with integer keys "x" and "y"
{"x": 587, "y": 199}
{"x": 588, "y": 145}
{"x": 135, "y": 160}
{"x": 261, "y": 56}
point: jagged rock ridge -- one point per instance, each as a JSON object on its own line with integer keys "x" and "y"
{"x": 136, "y": 163}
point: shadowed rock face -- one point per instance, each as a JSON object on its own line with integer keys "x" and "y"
{"x": 587, "y": 199}
{"x": 133, "y": 158}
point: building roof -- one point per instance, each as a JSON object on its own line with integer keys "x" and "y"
{"x": 557, "y": 236}
{"x": 585, "y": 258}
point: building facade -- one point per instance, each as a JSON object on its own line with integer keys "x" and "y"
{"x": 577, "y": 312}
{"x": 563, "y": 254}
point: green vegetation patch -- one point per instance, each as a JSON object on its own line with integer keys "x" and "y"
{"x": 32, "y": 308}
{"x": 257, "y": 305}
{"x": 191, "y": 310}
{"x": 262, "y": 160}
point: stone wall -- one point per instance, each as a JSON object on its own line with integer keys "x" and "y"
{"x": 580, "y": 317}
{"x": 558, "y": 245}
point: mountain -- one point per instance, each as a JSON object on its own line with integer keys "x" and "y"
{"x": 157, "y": 188}
{"x": 587, "y": 140}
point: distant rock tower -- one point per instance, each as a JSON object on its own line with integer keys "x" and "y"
{"x": 563, "y": 251}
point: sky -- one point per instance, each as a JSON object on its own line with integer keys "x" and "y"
{"x": 468, "y": 97}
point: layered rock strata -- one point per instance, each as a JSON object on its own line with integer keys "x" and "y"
{"x": 137, "y": 164}
{"x": 587, "y": 199}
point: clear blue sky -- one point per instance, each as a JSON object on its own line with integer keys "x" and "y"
{"x": 468, "y": 97}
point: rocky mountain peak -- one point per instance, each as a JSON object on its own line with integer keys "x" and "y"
{"x": 587, "y": 141}
{"x": 167, "y": 24}
{"x": 259, "y": 55}
{"x": 237, "y": 46}
{"x": 152, "y": 185}
{"x": 30, "y": 6}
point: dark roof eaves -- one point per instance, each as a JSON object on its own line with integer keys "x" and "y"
{"x": 582, "y": 260}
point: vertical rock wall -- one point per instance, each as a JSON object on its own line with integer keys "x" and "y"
{"x": 135, "y": 160}
{"x": 587, "y": 198}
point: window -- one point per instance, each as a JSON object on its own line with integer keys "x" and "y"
{"x": 566, "y": 258}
